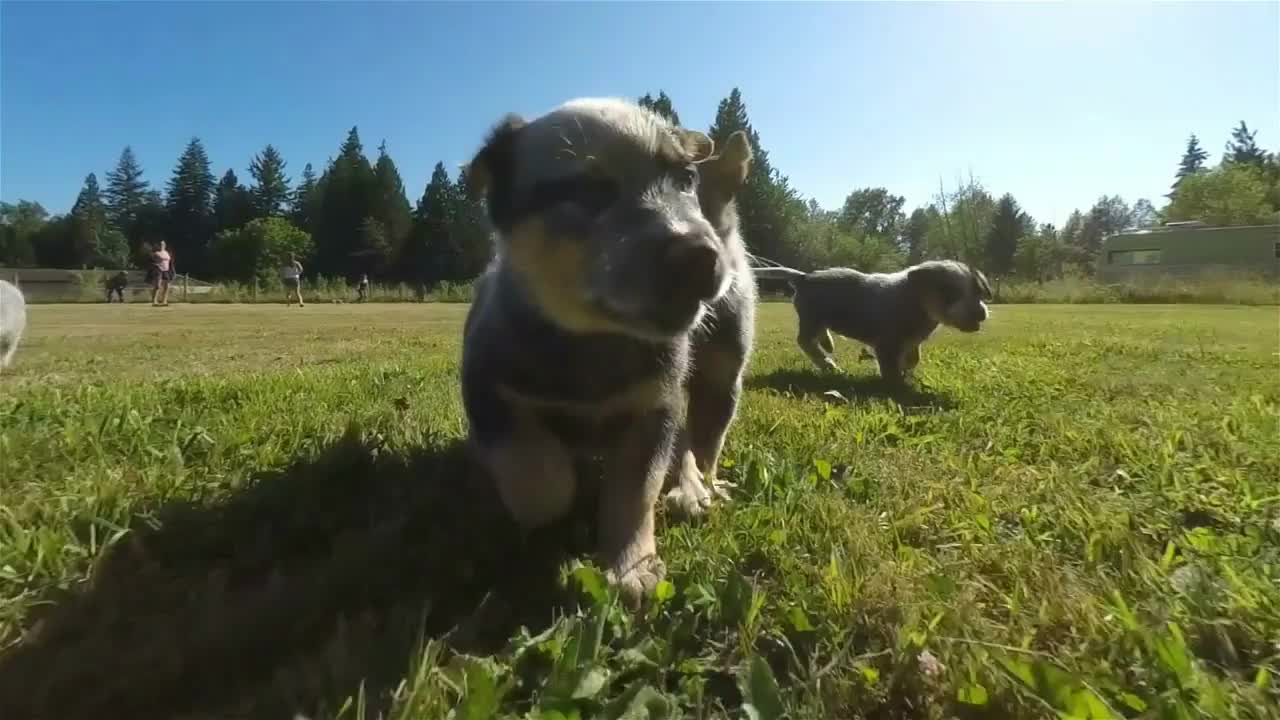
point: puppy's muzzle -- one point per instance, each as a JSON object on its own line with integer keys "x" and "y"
{"x": 975, "y": 317}
{"x": 690, "y": 271}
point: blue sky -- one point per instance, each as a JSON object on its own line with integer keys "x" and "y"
{"x": 1057, "y": 103}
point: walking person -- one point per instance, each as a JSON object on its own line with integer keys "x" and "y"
{"x": 363, "y": 287}
{"x": 291, "y": 274}
{"x": 160, "y": 273}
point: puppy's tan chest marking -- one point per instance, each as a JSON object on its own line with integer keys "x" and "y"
{"x": 639, "y": 397}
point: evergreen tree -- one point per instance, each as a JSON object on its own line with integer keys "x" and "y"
{"x": 661, "y": 105}
{"x": 1192, "y": 162}
{"x": 390, "y": 206}
{"x": 346, "y": 190}
{"x": 89, "y": 202}
{"x": 190, "y": 206}
{"x": 270, "y": 189}
{"x": 372, "y": 252}
{"x": 87, "y": 223}
{"x": 302, "y": 210}
{"x": 125, "y": 192}
{"x": 150, "y": 226}
{"x": 431, "y": 254}
{"x": 470, "y": 231}
{"x": 232, "y": 203}
{"x": 1243, "y": 148}
{"x": 769, "y": 209}
{"x": 1008, "y": 227}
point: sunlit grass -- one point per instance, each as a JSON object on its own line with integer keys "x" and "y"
{"x": 1077, "y": 509}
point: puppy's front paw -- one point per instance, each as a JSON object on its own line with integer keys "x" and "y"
{"x": 637, "y": 582}
{"x": 690, "y": 498}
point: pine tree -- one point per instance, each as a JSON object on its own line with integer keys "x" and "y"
{"x": 271, "y": 186}
{"x": 302, "y": 210}
{"x": 431, "y": 255}
{"x": 470, "y": 230}
{"x": 1243, "y": 148}
{"x": 373, "y": 248}
{"x": 345, "y": 201}
{"x": 190, "y": 206}
{"x": 232, "y": 203}
{"x": 1192, "y": 162}
{"x": 662, "y": 105}
{"x": 89, "y": 202}
{"x": 87, "y": 223}
{"x": 769, "y": 208}
{"x": 125, "y": 192}
{"x": 151, "y": 225}
{"x": 390, "y": 206}
{"x": 1009, "y": 226}
{"x": 731, "y": 116}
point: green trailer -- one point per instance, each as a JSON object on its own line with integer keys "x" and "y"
{"x": 1191, "y": 249}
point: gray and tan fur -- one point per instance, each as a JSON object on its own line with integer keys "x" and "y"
{"x": 615, "y": 321}
{"x": 891, "y": 313}
{"x": 13, "y": 321}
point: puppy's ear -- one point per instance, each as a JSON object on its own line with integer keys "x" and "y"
{"x": 696, "y": 145}
{"x": 728, "y": 170}
{"x": 722, "y": 176}
{"x": 734, "y": 161}
{"x": 489, "y": 174}
{"x": 984, "y": 287}
{"x": 926, "y": 278}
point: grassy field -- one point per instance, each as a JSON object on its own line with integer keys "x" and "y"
{"x": 249, "y": 511}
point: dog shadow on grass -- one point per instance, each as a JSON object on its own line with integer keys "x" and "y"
{"x": 854, "y": 389}
{"x": 290, "y": 594}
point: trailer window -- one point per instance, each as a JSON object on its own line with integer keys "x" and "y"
{"x": 1135, "y": 257}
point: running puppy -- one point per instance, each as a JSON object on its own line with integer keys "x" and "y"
{"x": 13, "y": 320}
{"x": 892, "y": 313}
{"x": 614, "y": 321}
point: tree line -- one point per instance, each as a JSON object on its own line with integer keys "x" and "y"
{"x": 355, "y": 217}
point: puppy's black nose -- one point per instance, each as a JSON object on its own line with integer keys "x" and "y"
{"x": 692, "y": 270}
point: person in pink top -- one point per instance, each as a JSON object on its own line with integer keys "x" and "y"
{"x": 161, "y": 273}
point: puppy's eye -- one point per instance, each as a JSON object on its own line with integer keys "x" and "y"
{"x": 685, "y": 178}
{"x": 592, "y": 193}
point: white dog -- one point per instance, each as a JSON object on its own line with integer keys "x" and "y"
{"x": 13, "y": 320}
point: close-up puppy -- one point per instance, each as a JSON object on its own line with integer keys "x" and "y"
{"x": 615, "y": 320}
{"x": 13, "y": 320}
{"x": 892, "y": 313}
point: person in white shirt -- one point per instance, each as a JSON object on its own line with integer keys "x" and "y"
{"x": 363, "y": 287}
{"x": 291, "y": 274}
{"x": 160, "y": 274}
